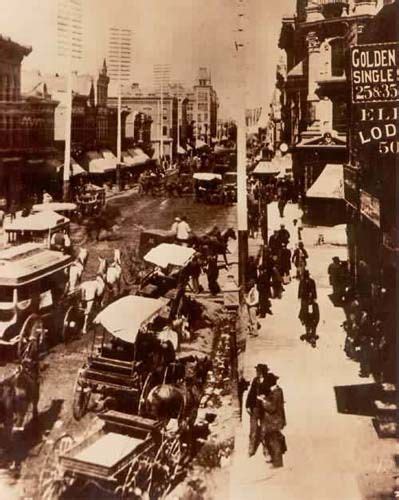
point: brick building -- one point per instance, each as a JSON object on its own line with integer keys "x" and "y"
{"x": 26, "y": 127}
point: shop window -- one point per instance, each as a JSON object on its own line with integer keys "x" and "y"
{"x": 340, "y": 116}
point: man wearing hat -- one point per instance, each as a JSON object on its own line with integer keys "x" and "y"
{"x": 259, "y": 387}
{"x": 273, "y": 421}
{"x": 334, "y": 271}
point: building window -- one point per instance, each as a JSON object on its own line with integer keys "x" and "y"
{"x": 337, "y": 57}
{"x": 164, "y": 130}
{"x": 202, "y": 106}
{"x": 205, "y": 117}
{"x": 203, "y": 96}
{"x": 199, "y": 118}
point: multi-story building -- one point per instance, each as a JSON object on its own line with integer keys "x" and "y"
{"x": 26, "y": 127}
{"x": 316, "y": 93}
{"x": 93, "y": 122}
{"x": 205, "y": 104}
{"x": 120, "y": 54}
{"x": 148, "y": 102}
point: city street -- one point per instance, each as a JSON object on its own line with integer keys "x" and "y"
{"x": 55, "y": 405}
{"x": 333, "y": 450}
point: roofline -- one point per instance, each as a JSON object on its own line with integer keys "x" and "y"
{"x": 23, "y": 280}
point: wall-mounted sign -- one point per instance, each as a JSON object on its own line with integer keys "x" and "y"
{"x": 375, "y": 97}
{"x": 370, "y": 207}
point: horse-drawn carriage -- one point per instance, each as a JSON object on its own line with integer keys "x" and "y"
{"x": 120, "y": 364}
{"x": 69, "y": 210}
{"x": 33, "y": 302}
{"x": 90, "y": 199}
{"x": 40, "y": 227}
{"x": 208, "y": 188}
{"x": 168, "y": 261}
{"x": 136, "y": 449}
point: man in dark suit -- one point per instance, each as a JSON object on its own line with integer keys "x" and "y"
{"x": 273, "y": 421}
{"x": 307, "y": 289}
{"x": 259, "y": 387}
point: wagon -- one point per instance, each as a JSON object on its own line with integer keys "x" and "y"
{"x": 90, "y": 199}
{"x": 125, "y": 457}
{"x": 151, "y": 238}
{"x": 33, "y": 301}
{"x": 39, "y": 227}
{"x": 168, "y": 261}
{"x": 208, "y": 188}
{"x": 123, "y": 364}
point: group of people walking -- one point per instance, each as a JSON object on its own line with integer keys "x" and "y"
{"x": 265, "y": 406}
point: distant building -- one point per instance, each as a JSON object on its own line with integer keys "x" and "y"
{"x": 120, "y": 54}
{"x": 26, "y": 127}
{"x": 203, "y": 105}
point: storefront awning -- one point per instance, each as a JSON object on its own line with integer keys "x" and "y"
{"x": 266, "y": 168}
{"x": 101, "y": 166}
{"x": 329, "y": 184}
{"x": 180, "y": 150}
{"x": 134, "y": 157}
{"x": 58, "y": 166}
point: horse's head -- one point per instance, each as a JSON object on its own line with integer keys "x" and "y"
{"x": 230, "y": 233}
{"x": 102, "y": 267}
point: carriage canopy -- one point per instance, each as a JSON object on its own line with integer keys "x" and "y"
{"x": 124, "y": 317}
{"x": 206, "y": 176}
{"x": 40, "y": 221}
{"x": 167, "y": 254}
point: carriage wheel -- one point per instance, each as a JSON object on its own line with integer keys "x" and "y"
{"x": 166, "y": 467}
{"x": 52, "y": 481}
{"x": 32, "y": 327}
{"x": 72, "y": 324}
{"x": 81, "y": 397}
{"x": 148, "y": 385}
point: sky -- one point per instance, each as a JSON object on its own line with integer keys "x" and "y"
{"x": 186, "y": 34}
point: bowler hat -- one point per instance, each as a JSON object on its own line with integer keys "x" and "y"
{"x": 263, "y": 367}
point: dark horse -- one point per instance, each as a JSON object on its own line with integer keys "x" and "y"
{"x": 180, "y": 400}
{"x": 17, "y": 393}
{"x": 103, "y": 221}
{"x": 214, "y": 242}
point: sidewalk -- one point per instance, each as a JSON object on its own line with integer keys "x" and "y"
{"x": 333, "y": 450}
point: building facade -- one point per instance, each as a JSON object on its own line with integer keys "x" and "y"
{"x": 27, "y": 127}
{"x": 203, "y": 106}
{"x": 316, "y": 88}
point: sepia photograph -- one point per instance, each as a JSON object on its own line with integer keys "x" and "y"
{"x": 199, "y": 249}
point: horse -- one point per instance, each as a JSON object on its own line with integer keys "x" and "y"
{"x": 113, "y": 274}
{"x": 92, "y": 293}
{"x": 76, "y": 270}
{"x": 215, "y": 241}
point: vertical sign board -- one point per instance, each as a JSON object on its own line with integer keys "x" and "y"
{"x": 375, "y": 93}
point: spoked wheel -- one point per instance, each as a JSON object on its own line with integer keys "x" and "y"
{"x": 72, "y": 324}
{"x": 52, "y": 481}
{"x": 166, "y": 467}
{"x": 32, "y": 328}
{"x": 81, "y": 397}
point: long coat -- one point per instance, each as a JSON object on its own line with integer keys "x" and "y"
{"x": 257, "y": 388}
{"x": 274, "y": 414}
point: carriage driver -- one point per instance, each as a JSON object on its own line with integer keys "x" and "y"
{"x": 61, "y": 241}
{"x": 182, "y": 230}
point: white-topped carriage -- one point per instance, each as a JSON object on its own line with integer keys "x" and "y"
{"x": 33, "y": 281}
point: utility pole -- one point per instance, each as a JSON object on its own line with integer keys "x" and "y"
{"x": 242, "y": 209}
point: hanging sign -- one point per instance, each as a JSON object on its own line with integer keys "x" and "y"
{"x": 375, "y": 94}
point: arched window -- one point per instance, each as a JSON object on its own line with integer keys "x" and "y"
{"x": 337, "y": 57}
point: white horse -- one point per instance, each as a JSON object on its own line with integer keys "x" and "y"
{"x": 113, "y": 273}
{"x": 92, "y": 292}
{"x": 76, "y": 270}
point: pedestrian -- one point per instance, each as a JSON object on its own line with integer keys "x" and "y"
{"x": 273, "y": 421}
{"x": 252, "y": 301}
{"x": 259, "y": 386}
{"x": 334, "y": 271}
{"x": 183, "y": 232}
{"x": 251, "y": 270}
{"x": 263, "y": 285}
{"x": 263, "y": 227}
{"x": 212, "y": 273}
{"x": 282, "y": 201}
{"x": 195, "y": 270}
{"x": 276, "y": 280}
{"x": 284, "y": 235}
{"x": 299, "y": 258}
{"x": 309, "y": 316}
{"x": 307, "y": 289}
{"x": 285, "y": 263}
{"x": 275, "y": 243}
